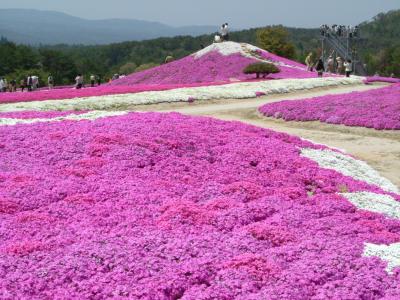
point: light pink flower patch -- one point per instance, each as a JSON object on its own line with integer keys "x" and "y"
{"x": 382, "y": 79}
{"x": 379, "y": 109}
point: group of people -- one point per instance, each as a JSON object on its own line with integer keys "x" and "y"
{"x": 223, "y": 34}
{"x": 5, "y": 86}
{"x": 80, "y": 82}
{"x": 30, "y": 83}
{"x": 340, "y": 30}
{"x": 117, "y": 76}
{"x": 332, "y": 65}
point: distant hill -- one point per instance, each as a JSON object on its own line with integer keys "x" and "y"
{"x": 36, "y": 27}
{"x": 383, "y": 30}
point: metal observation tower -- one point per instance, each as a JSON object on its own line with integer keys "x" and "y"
{"x": 339, "y": 40}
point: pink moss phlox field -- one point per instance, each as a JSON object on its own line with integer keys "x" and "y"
{"x": 165, "y": 206}
{"x": 38, "y": 114}
{"x": 70, "y": 93}
{"x": 211, "y": 67}
{"x": 381, "y": 79}
{"x": 379, "y": 109}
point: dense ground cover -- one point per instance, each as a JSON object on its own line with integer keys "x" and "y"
{"x": 382, "y": 79}
{"x": 379, "y": 109}
{"x": 218, "y": 62}
{"x": 37, "y": 114}
{"x": 239, "y": 90}
{"x": 164, "y": 206}
{"x": 72, "y": 93}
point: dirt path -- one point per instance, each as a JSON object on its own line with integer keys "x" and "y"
{"x": 380, "y": 149}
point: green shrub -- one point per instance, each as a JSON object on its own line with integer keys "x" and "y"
{"x": 128, "y": 68}
{"x": 144, "y": 67}
{"x": 261, "y": 68}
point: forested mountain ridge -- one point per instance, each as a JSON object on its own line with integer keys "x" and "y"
{"x": 35, "y": 27}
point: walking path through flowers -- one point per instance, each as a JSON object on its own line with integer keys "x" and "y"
{"x": 380, "y": 149}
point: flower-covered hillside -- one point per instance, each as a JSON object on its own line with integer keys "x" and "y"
{"x": 379, "y": 109}
{"x": 237, "y": 90}
{"x": 218, "y": 62}
{"x": 164, "y": 206}
{"x": 104, "y": 90}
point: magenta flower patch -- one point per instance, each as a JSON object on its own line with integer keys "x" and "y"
{"x": 379, "y": 109}
{"x": 38, "y": 114}
{"x": 71, "y": 93}
{"x": 212, "y": 67}
{"x": 165, "y": 206}
{"x": 382, "y": 79}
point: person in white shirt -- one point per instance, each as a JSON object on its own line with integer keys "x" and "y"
{"x": 348, "y": 65}
{"x": 50, "y": 82}
{"x": 225, "y": 32}
{"x": 92, "y": 80}
{"x": 35, "y": 83}
{"x": 79, "y": 81}
{"x": 5, "y": 84}
{"x": 330, "y": 64}
{"x": 1, "y": 85}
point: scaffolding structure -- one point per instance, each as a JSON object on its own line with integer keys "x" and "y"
{"x": 342, "y": 41}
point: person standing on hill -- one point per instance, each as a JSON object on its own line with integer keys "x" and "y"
{"x": 348, "y": 65}
{"x": 1, "y": 85}
{"x": 92, "y": 80}
{"x": 339, "y": 62}
{"x": 5, "y": 85}
{"x": 13, "y": 85}
{"x": 22, "y": 84}
{"x": 29, "y": 83}
{"x": 79, "y": 81}
{"x": 309, "y": 62}
{"x": 320, "y": 68}
{"x": 35, "y": 82}
{"x": 225, "y": 32}
{"x": 50, "y": 82}
{"x": 98, "y": 80}
{"x": 330, "y": 64}
{"x": 221, "y": 31}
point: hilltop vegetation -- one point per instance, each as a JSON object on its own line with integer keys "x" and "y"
{"x": 379, "y": 48}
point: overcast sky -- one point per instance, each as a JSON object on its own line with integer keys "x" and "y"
{"x": 239, "y": 13}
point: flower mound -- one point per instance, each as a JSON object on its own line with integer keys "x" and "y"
{"x": 219, "y": 62}
{"x": 379, "y": 109}
{"x": 164, "y": 206}
{"x": 237, "y": 90}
